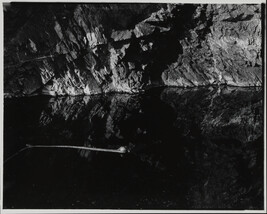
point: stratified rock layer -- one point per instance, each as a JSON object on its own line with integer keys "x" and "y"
{"x": 75, "y": 49}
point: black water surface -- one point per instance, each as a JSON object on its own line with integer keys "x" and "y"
{"x": 189, "y": 149}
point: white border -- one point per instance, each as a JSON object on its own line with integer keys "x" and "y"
{"x": 150, "y": 1}
{"x": 1, "y": 104}
{"x": 42, "y": 211}
{"x": 127, "y": 211}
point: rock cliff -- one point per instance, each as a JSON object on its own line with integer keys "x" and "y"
{"x": 77, "y": 49}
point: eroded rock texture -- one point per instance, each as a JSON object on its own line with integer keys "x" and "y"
{"x": 78, "y": 49}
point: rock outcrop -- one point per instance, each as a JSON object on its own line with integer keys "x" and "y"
{"x": 79, "y": 49}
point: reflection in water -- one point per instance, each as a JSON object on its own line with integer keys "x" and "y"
{"x": 190, "y": 149}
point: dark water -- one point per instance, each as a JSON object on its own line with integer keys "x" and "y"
{"x": 189, "y": 149}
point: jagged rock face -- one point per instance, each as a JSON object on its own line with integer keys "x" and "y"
{"x": 78, "y": 49}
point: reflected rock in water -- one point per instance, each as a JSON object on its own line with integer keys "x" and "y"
{"x": 233, "y": 113}
{"x": 218, "y": 113}
{"x": 191, "y": 148}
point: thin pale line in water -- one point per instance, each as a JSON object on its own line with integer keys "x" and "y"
{"x": 12, "y": 156}
{"x": 120, "y": 150}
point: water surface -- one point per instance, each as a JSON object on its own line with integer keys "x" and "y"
{"x": 189, "y": 149}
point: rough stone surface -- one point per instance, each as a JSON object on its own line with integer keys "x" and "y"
{"x": 77, "y": 49}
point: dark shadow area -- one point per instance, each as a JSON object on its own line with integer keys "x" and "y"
{"x": 189, "y": 149}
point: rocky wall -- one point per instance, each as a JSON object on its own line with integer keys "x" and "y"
{"x": 83, "y": 49}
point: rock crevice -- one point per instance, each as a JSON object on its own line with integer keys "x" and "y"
{"x": 83, "y": 49}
